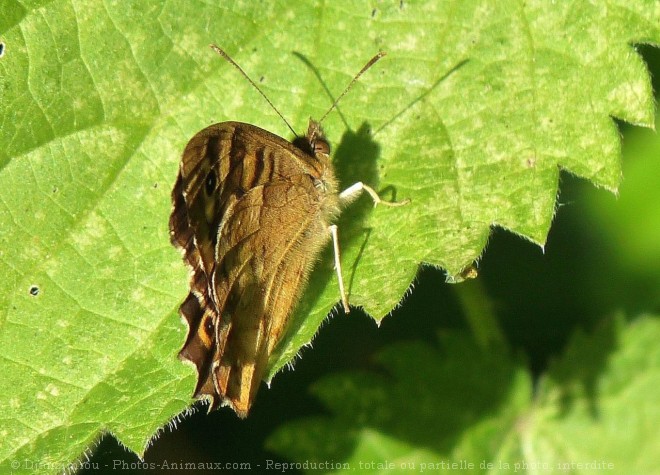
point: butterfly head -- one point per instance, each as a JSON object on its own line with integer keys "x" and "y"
{"x": 314, "y": 142}
{"x": 317, "y": 142}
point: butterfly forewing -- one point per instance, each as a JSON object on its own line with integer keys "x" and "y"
{"x": 250, "y": 215}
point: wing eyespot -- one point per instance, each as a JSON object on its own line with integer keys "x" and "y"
{"x": 210, "y": 183}
{"x": 209, "y": 327}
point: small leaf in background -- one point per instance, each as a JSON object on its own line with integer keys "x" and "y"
{"x": 432, "y": 407}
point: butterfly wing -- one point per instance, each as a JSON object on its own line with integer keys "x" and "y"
{"x": 271, "y": 238}
{"x": 250, "y": 219}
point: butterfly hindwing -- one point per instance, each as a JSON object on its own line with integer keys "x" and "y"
{"x": 269, "y": 242}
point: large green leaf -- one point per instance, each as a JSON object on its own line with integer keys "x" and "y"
{"x": 594, "y": 412}
{"x": 472, "y": 114}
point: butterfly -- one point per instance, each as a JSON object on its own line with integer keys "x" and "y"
{"x": 251, "y": 213}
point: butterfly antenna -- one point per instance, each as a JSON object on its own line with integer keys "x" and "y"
{"x": 364, "y": 69}
{"x": 222, "y": 53}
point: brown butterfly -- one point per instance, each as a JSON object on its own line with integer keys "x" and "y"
{"x": 251, "y": 214}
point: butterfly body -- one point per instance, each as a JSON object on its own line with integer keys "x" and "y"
{"x": 251, "y": 215}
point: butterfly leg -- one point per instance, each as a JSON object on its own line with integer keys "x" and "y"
{"x": 342, "y": 290}
{"x": 352, "y": 192}
{"x": 346, "y": 197}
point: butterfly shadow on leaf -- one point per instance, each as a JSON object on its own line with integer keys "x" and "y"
{"x": 355, "y": 159}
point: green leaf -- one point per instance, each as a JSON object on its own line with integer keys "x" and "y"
{"x": 476, "y": 409}
{"x": 471, "y": 115}
{"x": 590, "y": 395}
